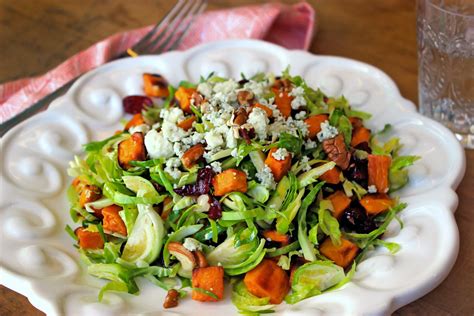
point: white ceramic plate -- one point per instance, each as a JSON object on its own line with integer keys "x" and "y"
{"x": 37, "y": 257}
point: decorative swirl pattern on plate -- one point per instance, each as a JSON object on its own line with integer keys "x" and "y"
{"x": 101, "y": 105}
{"x": 27, "y": 220}
{"x": 45, "y": 262}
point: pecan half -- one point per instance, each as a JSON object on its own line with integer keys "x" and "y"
{"x": 244, "y": 97}
{"x": 200, "y": 259}
{"x": 336, "y": 150}
{"x": 197, "y": 97}
{"x": 171, "y": 299}
{"x": 240, "y": 116}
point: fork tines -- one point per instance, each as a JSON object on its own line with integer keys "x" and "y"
{"x": 168, "y": 33}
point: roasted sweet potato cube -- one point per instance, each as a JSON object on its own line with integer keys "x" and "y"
{"x": 187, "y": 123}
{"x": 340, "y": 202}
{"x": 332, "y": 176}
{"x": 192, "y": 155}
{"x": 210, "y": 279}
{"x": 131, "y": 149}
{"x": 378, "y": 168}
{"x": 360, "y": 135}
{"x": 376, "y": 203}
{"x": 314, "y": 124}
{"x": 279, "y": 168}
{"x": 183, "y": 96}
{"x": 155, "y": 85}
{"x": 112, "y": 221}
{"x": 267, "y": 110}
{"x": 273, "y": 235}
{"x": 229, "y": 180}
{"x": 89, "y": 240}
{"x": 136, "y": 120}
{"x": 268, "y": 279}
{"x": 342, "y": 255}
{"x": 283, "y": 102}
{"x": 89, "y": 193}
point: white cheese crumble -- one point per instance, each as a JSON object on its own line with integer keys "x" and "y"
{"x": 298, "y": 98}
{"x": 280, "y": 154}
{"x": 300, "y": 115}
{"x": 172, "y": 114}
{"x": 205, "y": 89}
{"x": 216, "y": 166}
{"x": 310, "y": 144}
{"x": 257, "y": 88}
{"x": 213, "y": 139}
{"x": 225, "y": 92}
{"x": 157, "y": 145}
{"x": 142, "y": 128}
{"x": 172, "y": 168}
{"x": 327, "y": 131}
{"x": 265, "y": 176}
{"x": 192, "y": 244}
{"x": 172, "y": 132}
{"x": 372, "y": 189}
{"x": 259, "y": 120}
{"x": 304, "y": 163}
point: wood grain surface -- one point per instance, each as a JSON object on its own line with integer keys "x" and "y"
{"x": 37, "y": 35}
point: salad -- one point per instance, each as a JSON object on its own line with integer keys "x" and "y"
{"x": 264, "y": 182}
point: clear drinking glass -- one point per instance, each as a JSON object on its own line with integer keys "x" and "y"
{"x": 445, "y": 31}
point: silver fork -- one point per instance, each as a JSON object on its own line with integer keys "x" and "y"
{"x": 166, "y": 35}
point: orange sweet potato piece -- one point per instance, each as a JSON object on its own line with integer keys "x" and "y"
{"x": 342, "y": 255}
{"x": 155, "y": 85}
{"x": 340, "y": 202}
{"x": 279, "y": 168}
{"x": 268, "y": 280}
{"x": 378, "y": 172}
{"x": 112, "y": 221}
{"x": 356, "y": 122}
{"x": 136, "y": 120}
{"x": 192, "y": 155}
{"x": 229, "y": 180}
{"x": 273, "y": 235}
{"x": 183, "y": 96}
{"x": 360, "y": 135}
{"x": 267, "y": 110}
{"x": 131, "y": 149}
{"x": 89, "y": 240}
{"x": 187, "y": 123}
{"x": 376, "y": 203}
{"x": 314, "y": 124}
{"x": 283, "y": 102}
{"x": 332, "y": 176}
{"x": 89, "y": 193}
{"x": 210, "y": 279}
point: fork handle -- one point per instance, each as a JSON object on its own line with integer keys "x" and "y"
{"x": 35, "y": 108}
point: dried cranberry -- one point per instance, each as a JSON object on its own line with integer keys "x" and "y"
{"x": 355, "y": 219}
{"x": 364, "y": 146}
{"x": 202, "y": 185}
{"x": 134, "y": 104}
{"x": 325, "y": 99}
{"x": 247, "y": 134}
{"x": 215, "y": 211}
{"x": 358, "y": 171}
{"x": 242, "y": 82}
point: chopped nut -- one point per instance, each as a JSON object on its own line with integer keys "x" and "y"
{"x": 244, "y": 97}
{"x": 240, "y": 116}
{"x": 200, "y": 259}
{"x": 336, "y": 150}
{"x": 171, "y": 299}
{"x": 197, "y": 98}
{"x": 282, "y": 84}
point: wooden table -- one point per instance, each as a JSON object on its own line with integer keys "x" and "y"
{"x": 37, "y": 35}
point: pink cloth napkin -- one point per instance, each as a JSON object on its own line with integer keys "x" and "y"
{"x": 288, "y": 26}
